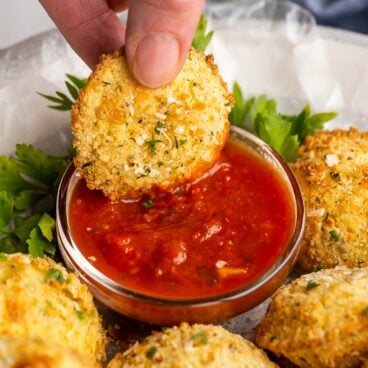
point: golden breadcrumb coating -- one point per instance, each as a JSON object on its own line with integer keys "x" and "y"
{"x": 41, "y": 299}
{"x": 332, "y": 171}
{"x": 130, "y": 139}
{"x": 194, "y": 346}
{"x": 36, "y": 353}
{"x": 320, "y": 320}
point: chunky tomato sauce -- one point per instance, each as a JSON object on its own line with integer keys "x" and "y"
{"x": 209, "y": 237}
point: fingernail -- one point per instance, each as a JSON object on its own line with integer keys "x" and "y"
{"x": 156, "y": 59}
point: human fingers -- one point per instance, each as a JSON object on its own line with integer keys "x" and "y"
{"x": 159, "y": 35}
{"x": 91, "y": 27}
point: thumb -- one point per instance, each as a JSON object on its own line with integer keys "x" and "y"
{"x": 159, "y": 35}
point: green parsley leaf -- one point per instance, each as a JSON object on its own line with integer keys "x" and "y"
{"x": 241, "y": 106}
{"x": 37, "y": 245}
{"x": 79, "y": 83}
{"x": 159, "y": 127}
{"x": 11, "y": 180}
{"x": 61, "y": 101}
{"x": 55, "y": 274}
{"x": 72, "y": 90}
{"x": 201, "y": 38}
{"x": 47, "y": 225}
{"x": 311, "y": 285}
{"x": 201, "y": 337}
{"x": 80, "y": 314}
{"x": 334, "y": 235}
{"x": 147, "y": 204}
{"x": 8, "y": 245}
{"x": 6, "y": 209}
{"x": 26, "y": 225}
{"x": 3, "y": 256}
{"x": 152, "y": 146}
{"x": 305, "y": 124}
{"x": 44, "y": 169}
{"x": 285, "y": 133}
{"x": 179, "y": 142}
{"x": 151, "y": 352}
{"x": 28, "y": 187}
{"x": 25, "y": 199}
{"x": 365, "y": 311}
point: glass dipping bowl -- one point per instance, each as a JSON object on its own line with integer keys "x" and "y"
{"x": 166, "y": 311}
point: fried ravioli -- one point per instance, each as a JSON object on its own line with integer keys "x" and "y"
{"x": 36, "y": 353}
{"x": 130, "y": 139}
{"x": 332, "y": 171}
{"x": 194, "y": 346}
{"x": 320, "y": 320}
{"x": 41, "y": 299}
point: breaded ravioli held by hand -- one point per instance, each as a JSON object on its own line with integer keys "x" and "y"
{"x": 320, "y": 320}
{"x": 196, "y": 346}
{"x": 130, "y": 139}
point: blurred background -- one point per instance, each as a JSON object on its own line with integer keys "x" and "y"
{"x": 20, "y": 19}
{"x": 346, "y": 14}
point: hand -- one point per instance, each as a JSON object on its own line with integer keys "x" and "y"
{"x": 157, "y": 38}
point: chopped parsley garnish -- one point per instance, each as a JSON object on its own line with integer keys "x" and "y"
{"x": 179, "y": 142}
{"x": 151, "y": 352}
{"x": 311, "y": 285}
{"x": 80, "y": 314}
{"x": 201, "y": 337}
{"x": 365, "y": 311}
{"x": 3, "y": 256}
{"x": 317, "y": 269}
{"x": 285, "y": 133}
{"x": 334, "y": 235}
{"x": 159, "y": 127}
{"x": 147, "y": 204}
{"x": 152, "y": 146}
{"x": 55, "y": 274}
{"x": 326, "y": 217}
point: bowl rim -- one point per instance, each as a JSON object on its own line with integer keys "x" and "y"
{"x": 70, "y": 250}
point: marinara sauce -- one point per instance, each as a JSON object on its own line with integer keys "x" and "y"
{"x": 206, "y": 238}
